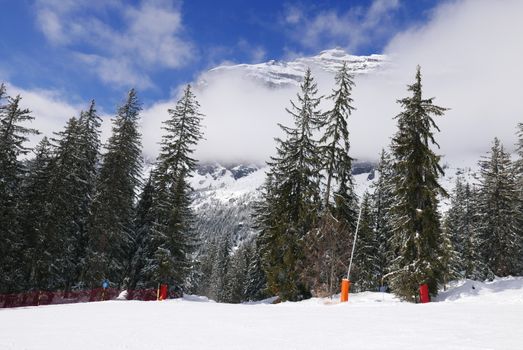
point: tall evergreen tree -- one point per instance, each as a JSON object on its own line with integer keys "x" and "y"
{"x": 498, "y": 230}
{"x": 35, "y": 214}
{"x": 256, "y": 282}
{"x": 141, "y": 236}
{"x": 382, "y": 203}
{"x": 326, "y": 246}
{"x": 111, "y": 219}
{"x": 173, "y": 236}
{"x": 71, "y": 187}
{"x": 366, "y": 256}
{"x": 335, "y": 150}
{"x": 417, "y": 234}
{"x": 13, "y": 136}
{"x": 291, "y": 200}
{"x": 461, "y": 226}
{"x": 518, "y": 169}
{"x": 72, "y": 177}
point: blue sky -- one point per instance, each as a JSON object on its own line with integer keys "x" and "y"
{"x": 84, "y": 49}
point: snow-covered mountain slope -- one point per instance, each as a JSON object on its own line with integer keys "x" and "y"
{"x": 224, "y": 196}
{"x": 486, "y": 317}
{"x": 227, "y": 184}
{"x": 280, "y": 73}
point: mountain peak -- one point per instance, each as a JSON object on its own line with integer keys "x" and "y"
{"x": 276, "y": 73}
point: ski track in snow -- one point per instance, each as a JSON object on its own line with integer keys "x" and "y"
{"x": 486, "y": 317}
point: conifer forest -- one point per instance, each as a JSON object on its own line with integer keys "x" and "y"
{"x": 75, "y": 212}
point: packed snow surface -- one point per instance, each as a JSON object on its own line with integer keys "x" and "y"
{"x": 488, "y": 316}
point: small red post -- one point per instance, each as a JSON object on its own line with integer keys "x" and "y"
{"x": 162, "y": 295}
{"x": 345, "y": 286}
{"x": 424, "y": 293}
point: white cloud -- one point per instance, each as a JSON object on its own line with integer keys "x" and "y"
{"x": 469, "y": 51}
{"x": 119, "y": 72}
{"x": 351, "y": 29}
{"x": 150, "y": 36}
{"x": 293, "y": 14}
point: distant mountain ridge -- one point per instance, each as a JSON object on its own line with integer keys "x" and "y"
{"x": 287, "y": 73}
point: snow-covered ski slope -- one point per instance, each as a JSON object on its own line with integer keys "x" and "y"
{"x": 488, "y": 316}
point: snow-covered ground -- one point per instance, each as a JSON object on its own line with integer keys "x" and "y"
{"x": 488, "y": 316}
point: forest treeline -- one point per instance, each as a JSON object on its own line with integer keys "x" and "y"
{"x": 73, "y": 215}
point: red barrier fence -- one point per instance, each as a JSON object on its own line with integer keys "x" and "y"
{"x": 36, "y": 298}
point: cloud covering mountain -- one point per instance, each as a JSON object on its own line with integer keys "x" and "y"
{"x": 470, "y": 53}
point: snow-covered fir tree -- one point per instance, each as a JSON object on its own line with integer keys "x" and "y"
{"x": 111, "y": 220}
{"x": 382, "y": 202}
{"x": 141, "y": 236}
{"x": 335, "y": 151}
{"x": 173, "y": 237}
{"x": 325, "y": 246}
{"x": 366, "y": 256}
{"x": 35, "y": 208}
{"x": 71, "y": 184}
{"x": 292, "y": 195}
{"x": 518, "y": 169}
{"x": 500, "y": 242}
{"x": 417, "y": 234}
{"x": 13, "y": 137}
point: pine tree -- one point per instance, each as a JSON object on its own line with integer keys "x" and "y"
{"x": 173, "y": 236}
{"x": 13, "y": 136}
{"x": 35, "y": 213}
{"x": 326, "y": 246}
{"x": 256, "y": 282}
{"x": 456, "y": 226}
{"x": 111, "y": 220}
{"x": 461, "y": 228}
{"x": 498, "y": 230}
{"x": 326, "y": 256}
{"x": 382, "y": 203}
{"x": 141, "y": 237}
{"x": 68, "y": 209}
{"x": 220, "y": 271}
{"x": 291, "y": 200}
{"x": 366, "y": 256}
{"x": 337, "y": 162}
{"x": 417, "y": 234}
{"x": 238, "y": 274}
{"x": 518, "y": 169}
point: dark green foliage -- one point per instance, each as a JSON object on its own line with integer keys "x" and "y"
{"x": 326, "y": 256}
{"x": 500, "y": 242}
{"x": 382, "y": 203}
{"x": 335, "y": 151}
{"x": 417, "y": 235}
{"x": 111, "y": 219}
{"x": 173, "y": 238}
{"x": 256, "y": 282}
{"x": 366, "y": 256}
{"x": 227, "y": 227}
{"x": 13, "y": 135}
{"x": 291, "y": 200}
{"x": 141, "y": 236}
{"x": 326, "y": 252}
{"x": 71, "y": 186}
{"x": 518, "y": 170}
{"x": 35, "y": 208}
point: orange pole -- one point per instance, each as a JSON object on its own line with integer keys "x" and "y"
{"x": 345, "y": 286}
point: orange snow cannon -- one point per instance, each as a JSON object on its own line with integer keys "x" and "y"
{"x": 345, "y": 286}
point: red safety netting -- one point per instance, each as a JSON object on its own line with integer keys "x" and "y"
{"x": 36, "y": 298}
